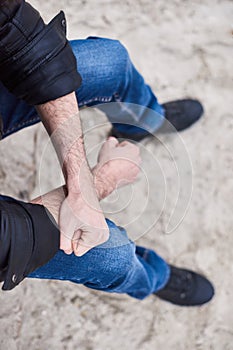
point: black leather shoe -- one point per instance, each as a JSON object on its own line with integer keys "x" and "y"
{"x": 186, "y": 288}
{"x": 179, "y": 115}
{"x": 140, "y": 135}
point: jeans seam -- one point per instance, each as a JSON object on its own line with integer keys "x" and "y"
{"x": 16, "y": 126}
{"x": 96, "y": 99}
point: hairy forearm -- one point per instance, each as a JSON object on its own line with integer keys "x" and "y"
{"x": 55, "y": 113}
{"x": 53, "y": 199}
{"x": 61, "y": 120}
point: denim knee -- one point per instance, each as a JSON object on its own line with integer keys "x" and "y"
{"x": 118, "y": 63}
{"x": 104, "y": 72}
{"x": 113, "y": 259}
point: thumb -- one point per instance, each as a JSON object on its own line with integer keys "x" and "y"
{"x": 81, "y": 250}
{"x": 67, "y": 229}
{"x": 65, "y": 243}
{"x": 112, "y": 142}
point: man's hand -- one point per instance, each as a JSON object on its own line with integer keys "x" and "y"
{"x": 118, "y": 165}
{"x": 83, "y": 225}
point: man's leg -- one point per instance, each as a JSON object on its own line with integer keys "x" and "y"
{"x": 112, "y": 83}
{"x": 135, "y": 112}
{"x": 117, "y": 266}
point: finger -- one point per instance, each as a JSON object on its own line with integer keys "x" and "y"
{"x": 112, "y": 141}
{"x": 77, "y": 235}
{"x": 89, "y": 240}
{"x": 75, "y": 239}
{"x": 123, "y": 144}
{"x": 81, "y": 250}
{"x": 66, "y": 235}
{"x": 130, "y": 145}
{"x": 65, "y": 244}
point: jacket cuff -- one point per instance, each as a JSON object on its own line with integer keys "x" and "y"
{"x": 30, "y": 239}
{"x": 37, "y": 63}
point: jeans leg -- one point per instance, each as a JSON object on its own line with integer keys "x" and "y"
{"x": 108, "y": 76}
{"x": 117, "y": 266}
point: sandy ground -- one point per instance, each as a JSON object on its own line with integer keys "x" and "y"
{"x": 183, "y": 48}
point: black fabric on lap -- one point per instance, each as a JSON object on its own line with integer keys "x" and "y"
{"x": 29, "y": 238}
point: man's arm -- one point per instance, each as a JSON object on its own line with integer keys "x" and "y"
{"x": 29, "y": 237}
{"x": 118, "y": 165}
{"x": 80, "y": 211}
{"x": 39, "y": 67}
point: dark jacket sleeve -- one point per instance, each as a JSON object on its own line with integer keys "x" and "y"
{"x": 36, "y": 61}
{"x": 8, "y": 8}
{"x": 29, "y": 238}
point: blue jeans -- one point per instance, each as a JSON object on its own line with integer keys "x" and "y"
{"x": 108, "y": 76}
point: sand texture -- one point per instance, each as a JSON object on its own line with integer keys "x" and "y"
{"x": 182, "y": 48}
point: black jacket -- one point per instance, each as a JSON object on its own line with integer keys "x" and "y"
{"x": 36, "y": 61}
{"x": 29, "y": 238}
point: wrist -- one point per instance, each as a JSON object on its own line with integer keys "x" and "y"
{"x": 79, "y": 181}
{"x": 103, "y": 182}
{"x": 73, "y": 159}
{"x": 101, "y": 189}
